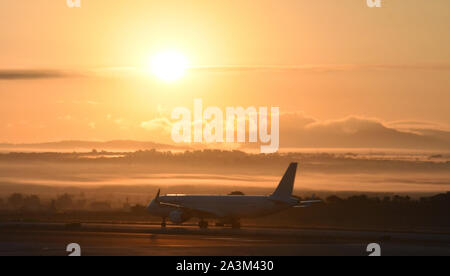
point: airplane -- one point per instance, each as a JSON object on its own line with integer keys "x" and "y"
{"x": 227, "y": 209}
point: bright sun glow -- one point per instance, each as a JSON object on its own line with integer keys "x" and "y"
{"x": 169, "y": 65}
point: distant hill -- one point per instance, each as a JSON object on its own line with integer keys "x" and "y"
{"x": 115, "y": 145}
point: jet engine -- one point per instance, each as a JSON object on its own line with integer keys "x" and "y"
{"x": 178, "y": 216}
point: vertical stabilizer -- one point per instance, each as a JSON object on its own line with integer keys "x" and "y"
{"x": 286, "y": 186}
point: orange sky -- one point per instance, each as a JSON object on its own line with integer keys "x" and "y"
{"x": 323, "y": 59}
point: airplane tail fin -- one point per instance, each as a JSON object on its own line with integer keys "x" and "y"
{"x": 286, "y": 186}
{"x": 157, "y": 196}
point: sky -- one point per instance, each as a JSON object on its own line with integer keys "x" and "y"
{"x": 342, "y": 73}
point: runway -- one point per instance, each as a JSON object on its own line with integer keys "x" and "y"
{"x": 43, "y": 239}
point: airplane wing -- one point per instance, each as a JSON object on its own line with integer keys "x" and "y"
{"x": 310, "y": 201}
{"x": 193, "y": 210}
{"x": 307, "y": 203}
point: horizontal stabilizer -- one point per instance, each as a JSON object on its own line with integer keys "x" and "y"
{"x": 307, "y": 203}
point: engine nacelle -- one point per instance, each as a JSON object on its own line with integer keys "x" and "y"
{"x": 178, "y": 216}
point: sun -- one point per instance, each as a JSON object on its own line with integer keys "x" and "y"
{"x": 168, "y": 66}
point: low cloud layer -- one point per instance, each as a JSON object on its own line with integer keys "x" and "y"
{"x": 298, "y": 130}
{"x": 31, "y": 74}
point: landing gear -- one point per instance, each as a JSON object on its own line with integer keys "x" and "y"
{"x": 163, "y": 223}
{"x": 203, "y": 224}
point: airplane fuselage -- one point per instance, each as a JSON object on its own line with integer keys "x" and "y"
{"x": 229, "y": 206}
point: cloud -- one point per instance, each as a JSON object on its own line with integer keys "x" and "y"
{"x": 309, "y": 68}
{"x": 34, "y": 74}
{"x": 349, "y": 125}
{"x": 358, "y": 132}
{"x": 298, "y": 130}
{"x": 158, "y": 124}
{"x": 413, "y": 124}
